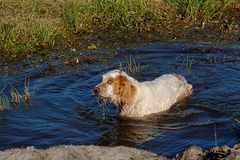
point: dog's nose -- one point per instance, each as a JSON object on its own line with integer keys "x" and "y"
{"x": 96, "y": 90}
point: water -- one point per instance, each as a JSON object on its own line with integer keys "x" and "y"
{"x": 64, "y": 111}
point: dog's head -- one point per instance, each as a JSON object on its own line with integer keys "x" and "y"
{"x": 115, "y": 87}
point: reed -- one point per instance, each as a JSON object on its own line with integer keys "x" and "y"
{"x": 187, "y": 63}
{"x": 131, "y": 66}
{"x": 4, "y": 103}
{"x": 27, "y": 95}
{"x": 15, "y": 97}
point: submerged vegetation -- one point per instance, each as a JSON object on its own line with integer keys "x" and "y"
{"x": 187, "y": 62}
{"x": 29, "y": 26}
{"x": 15, "y": 97}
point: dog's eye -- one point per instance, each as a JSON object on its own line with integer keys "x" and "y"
{"x": 110, "y": 81}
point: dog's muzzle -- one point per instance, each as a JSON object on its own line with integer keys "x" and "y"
{"x": 96, "y": 90}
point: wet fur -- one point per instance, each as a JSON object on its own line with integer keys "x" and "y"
{"x": 124, "y": 89}
{"x": 137, "y": 99}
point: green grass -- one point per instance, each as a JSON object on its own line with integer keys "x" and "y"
{"x": 204, "y": 10}
{"x": 25, "y": 37}
{"x": 107, "y": 14}
{"x": 71, "y": 16}
{"x": 29, "y": 26}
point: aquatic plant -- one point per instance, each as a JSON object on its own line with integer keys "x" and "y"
{"x": 71, "y": 16}
{"x": 27, "y": 95}
{"x": 237, "y": 120}
{"x": 223, "y": 59}
{"x": 15, "y": 97}
{"x": 187, "y": 63}
{"x": 212, "y": 59}
{"x": 177, "y": 59}
{"x": 4, "y": 102}
{"x": 131, "y": 66}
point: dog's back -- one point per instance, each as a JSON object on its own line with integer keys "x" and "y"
{"x": 137, "y": 99}
{"x": 161, "y": 93}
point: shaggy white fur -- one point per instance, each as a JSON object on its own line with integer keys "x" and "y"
{"x": 137, "y": 99}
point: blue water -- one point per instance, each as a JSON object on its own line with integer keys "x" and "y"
{"x": 63, "y": 109}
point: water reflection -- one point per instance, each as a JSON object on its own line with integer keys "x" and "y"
{"x": 137, "y": 131}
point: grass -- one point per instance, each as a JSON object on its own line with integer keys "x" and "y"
{"x": 28, "y": 26}
{"x": 25, "y": 37}
{"x": 15, "y": 97}
{"x": 192, "y": 10}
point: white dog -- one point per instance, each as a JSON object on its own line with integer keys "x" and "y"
{"x": 137, "y": 99}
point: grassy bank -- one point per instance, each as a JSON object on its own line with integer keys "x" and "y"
{"x": 32, "y": 26}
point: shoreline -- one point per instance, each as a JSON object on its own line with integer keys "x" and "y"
{"x": 30, "y": 28}
{"x": 92, "y": 152}
{"x": 116, "y": 40}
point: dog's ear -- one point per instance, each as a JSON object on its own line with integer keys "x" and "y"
{"x": 128, "y": 93}
{"x": 124, "y": 89}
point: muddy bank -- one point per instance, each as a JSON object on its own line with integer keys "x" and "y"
{"x": 69, "y": 152}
